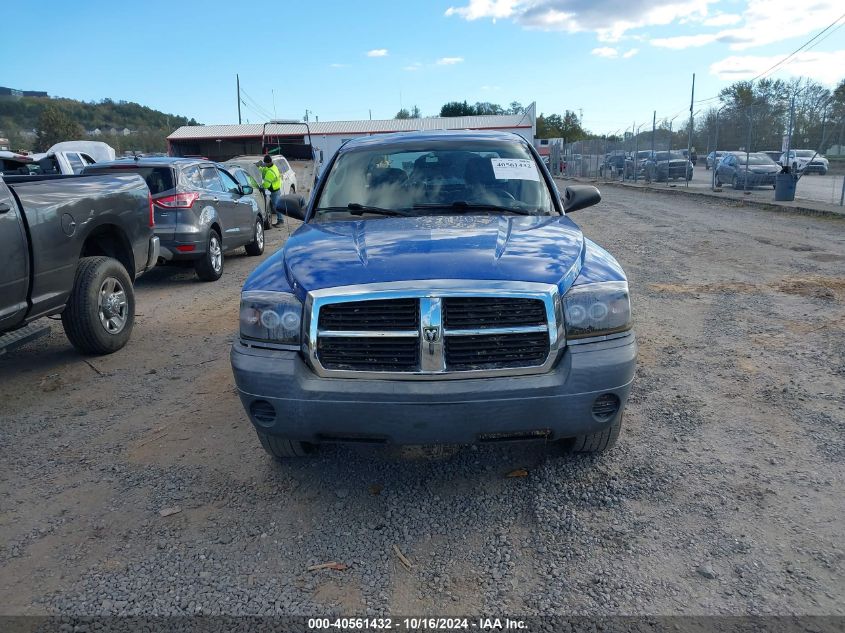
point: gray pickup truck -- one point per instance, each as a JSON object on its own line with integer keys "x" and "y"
{"x": 73, "y": 245}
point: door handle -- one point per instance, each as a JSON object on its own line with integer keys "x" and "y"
{"x": 216, "y": 199}
{"x": 5, "y": 207}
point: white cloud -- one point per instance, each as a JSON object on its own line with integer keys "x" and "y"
{"x": 377, "y": 52}
{"x": 722, "y": 19}
{"x": 449, "y": 61}
{"x": 338, "y": 65}
{"x": 684, "y": 41}
{"x": 491, "y": 88}
{"x": 764, "y": 22}
{"x": 477, "y": 9}
{"x": 609, "y": 19}
{"x": 821, "y": 66}
{"x": 606, "y": 52}
{"x": 413, "y": 67}
{"x": 629, "y": 54}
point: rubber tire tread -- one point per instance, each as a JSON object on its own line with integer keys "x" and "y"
{"x": 203, "y": 267}
{"x": 598, "y": 442}
{"x": 79, "y": 318}
{"x": 280, "y": 448}
{"x": 253, "y": 249}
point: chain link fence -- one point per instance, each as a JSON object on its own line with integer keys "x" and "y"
{"x": 730, "y": 149}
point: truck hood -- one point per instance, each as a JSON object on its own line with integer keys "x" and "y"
{"x": 486, "y": 247}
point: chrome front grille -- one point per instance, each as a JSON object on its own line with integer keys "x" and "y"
{"x": 484, "y": 312}
{"x": 369, "y": 354}
{"x": 390, "y": 314}
{"x": 496, "y": 351}
{"x": 440, "y": 330}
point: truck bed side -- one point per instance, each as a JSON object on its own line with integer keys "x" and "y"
{"x": 67, "y": 218}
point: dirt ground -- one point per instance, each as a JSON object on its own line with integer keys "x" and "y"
{"x": 723, "y": 496}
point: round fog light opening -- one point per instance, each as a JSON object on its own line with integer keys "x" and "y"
{"x": 263, "y": 412}
{"x": 606, "y": 406}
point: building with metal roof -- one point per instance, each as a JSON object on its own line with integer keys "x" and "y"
{"x": 296, "y": 139}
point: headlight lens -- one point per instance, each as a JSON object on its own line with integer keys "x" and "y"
{"x": 597, "y": 309}
{"x": 274, "y": 317}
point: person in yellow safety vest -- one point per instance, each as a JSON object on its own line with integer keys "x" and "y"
{"x": 272, "y": 182}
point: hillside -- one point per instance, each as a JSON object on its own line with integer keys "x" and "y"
{"x": 19, "y": 122}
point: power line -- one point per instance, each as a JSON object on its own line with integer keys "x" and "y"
{"x": 799, "y": 49}
{"x": 792, "y": 54}
{"x": 257, "y": 107}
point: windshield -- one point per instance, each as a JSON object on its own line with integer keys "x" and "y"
{"x": 670, "y": 156}
{"x": 435, "y": 176}
{"x": 805, "y": 153}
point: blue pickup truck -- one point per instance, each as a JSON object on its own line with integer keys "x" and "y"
{"x": 437, "y": 292}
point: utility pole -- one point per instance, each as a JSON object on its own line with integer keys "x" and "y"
{"x": 371, "y": 114}
{"x": 789, "y": 130}
{"x": 653, "y": 128}
{"x": 689, "y": 138}
{"x": 238, "y": 79}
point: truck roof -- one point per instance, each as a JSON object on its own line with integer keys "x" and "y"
{"x": 397, "y": 139}
{"x": 153, "y": 161}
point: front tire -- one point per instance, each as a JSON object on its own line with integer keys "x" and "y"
{"x": 100, "y": 312}
{"x": 279, "y": 448}
{"x": 256, "y": 246}
{"x": 598, "y": 442}
{"x": 210, "y": 266}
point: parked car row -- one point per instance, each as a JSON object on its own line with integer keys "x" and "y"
{"x": 201, "y": 210}
{"x": 799, "y": 161}
{"x": 77, "y": 236}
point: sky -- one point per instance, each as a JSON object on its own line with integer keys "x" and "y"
{"x": 613, "y": 61}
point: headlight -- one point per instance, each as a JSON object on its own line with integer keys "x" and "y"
{"x": 597, "y": 309}
{"x": 274, "y": 317}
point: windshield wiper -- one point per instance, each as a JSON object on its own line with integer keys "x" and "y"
{"x": 359, "y": 209}
{"x": 463, "y": 204}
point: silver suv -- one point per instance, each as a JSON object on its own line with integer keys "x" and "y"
{"x": 201, "y": 211}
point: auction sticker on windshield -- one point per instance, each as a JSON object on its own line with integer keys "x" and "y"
{"x": 514, "y": 169}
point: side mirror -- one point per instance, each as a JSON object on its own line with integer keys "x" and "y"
{"x": 246, "y": 190}
{"x": 577, "y": 197}
{"x": 292, "y": 205}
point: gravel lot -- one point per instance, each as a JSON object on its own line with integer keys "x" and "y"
{"x": 724, "y": 495}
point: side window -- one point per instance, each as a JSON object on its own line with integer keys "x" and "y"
{"x": 87, "y": 159}
{"x": 76, "y": 163}
{"x": 283, "y": 167}
{"x": 229, "y": 183}
{"x": 242, "y": 178}
{"x": 192, "y": 178}
{"x": 210, "y": 179}
{"x": 251, "y": 182}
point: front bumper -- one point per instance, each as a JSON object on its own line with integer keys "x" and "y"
{"x": 283, "y": 397}
{"x": 817, "y": 168}
{"x": 757, "y": 179}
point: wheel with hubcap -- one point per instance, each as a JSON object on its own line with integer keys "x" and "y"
{"x": 210, "y": 266}
{"x": 256, "y": 246}
{"x": 100, "y": 312}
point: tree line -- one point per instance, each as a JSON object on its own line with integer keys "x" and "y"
{"x": 60, "y": 119}
{"x": 566, "y": 125}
